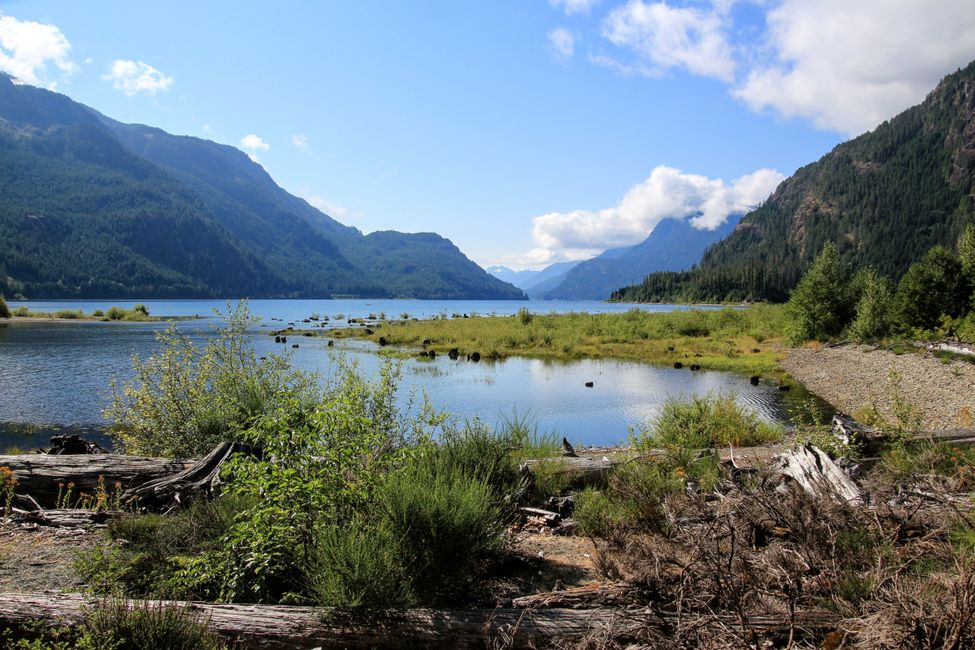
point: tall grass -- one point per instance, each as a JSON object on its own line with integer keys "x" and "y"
{"x": 711, "y": 421}
{"x": 719, "y": 339}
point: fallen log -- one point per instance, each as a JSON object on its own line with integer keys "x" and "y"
{"x": 607, "y": 594}
{"x": 200, "y": 477}
{"x": 64, "y": 517}
{"x": 280, "y": 627}
{"x": 43, "y": 477}
{"x": 849, "y": 431}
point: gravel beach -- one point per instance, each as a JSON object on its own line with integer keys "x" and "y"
{"x": 856, "y": 377}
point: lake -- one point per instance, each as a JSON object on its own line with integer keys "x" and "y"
{"x": 58, "y": 374}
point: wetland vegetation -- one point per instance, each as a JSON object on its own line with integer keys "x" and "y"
{"x": 746, "y": 340}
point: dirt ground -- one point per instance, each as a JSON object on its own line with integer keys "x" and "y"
{"x": 39, "y": 559}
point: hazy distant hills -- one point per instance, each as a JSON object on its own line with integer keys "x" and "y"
{"x": 90, "y": 207}
{"x": 884, "y": 198}
{"x": 674, "y": 245}
{"x": 528, "y": 279}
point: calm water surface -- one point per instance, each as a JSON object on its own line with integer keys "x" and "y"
{"x": 59, "y": 373}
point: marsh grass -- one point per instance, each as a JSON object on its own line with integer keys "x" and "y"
{"x": 742, "y": 340}
{"x": 139, "y": 314}
{"x": 711, "y": 421}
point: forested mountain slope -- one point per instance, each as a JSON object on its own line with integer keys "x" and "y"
{"x": 90, "y": 207}
{"x": 885, "y": 198}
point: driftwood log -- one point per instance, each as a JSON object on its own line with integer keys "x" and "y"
{"x": 42, "y": 477}
{"x": 612, "y": 594}
{"x": 280, "y": 627}
{"x": 164, "y": 480}
{"x": 817, "y": 474}
{"x": 199, "y": 478}
{"x": 64, "y": 517}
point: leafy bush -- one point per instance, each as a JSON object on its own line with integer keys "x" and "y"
{"x": 156, "y": 547}
{"x": 357, "y": 564}
{"x": 475, "y": 452}
{"x": 710, "y": 421}
{"x": 445, "y": 524}
{"x": 933, "y": 286}
{"x": 115, "y": 313}
{"x": 114, "y": 625}
{"x": 187, "y": 398}
{"x": 4, "y": 309}
{"x": 322, "y": 464}
{"x": 870, "y": 319}
{"x": 524, "y": 316}
{"x": 820, "y": 304}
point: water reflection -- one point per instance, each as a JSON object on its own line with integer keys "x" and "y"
{"x": 61, "y": 373}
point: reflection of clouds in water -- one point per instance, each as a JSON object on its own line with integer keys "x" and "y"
{"x": 60, "y": 373}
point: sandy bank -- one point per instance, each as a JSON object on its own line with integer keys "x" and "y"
{"x": 855, "y": 377}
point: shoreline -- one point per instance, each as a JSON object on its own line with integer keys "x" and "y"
{"x": 863, "y": 381}
{"x": 94, "y": 319}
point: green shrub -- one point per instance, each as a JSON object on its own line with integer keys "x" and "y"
{"x": 707, "y": 422}
{"x": 870, "y": 319}
{"x": 115, "y": 313}
{"x": 98, "y": 313}
{"x": 21, "y": 311}
{"x": 446, "y": 526}
{"x": 475, "y": 452}
{"x": 524, "y": 316}
{"x": 323, "y": 463}
{"x": 71, "y": 314}
{"x": 633, "y": 499}
{"x": 114, "y": 625}
{"x": 4, "y": 309}
{"x": 357, "y": 565}
{"x": 933, "y": 286}
{"x": 155, "y": 548}
{"x": 597, "y": 514}
{"x": 187, "y": 398}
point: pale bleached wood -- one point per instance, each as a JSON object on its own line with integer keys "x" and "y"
{"x": 279, "y": 627}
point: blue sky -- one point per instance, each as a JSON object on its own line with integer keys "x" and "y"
{"x": 526, "y": 131}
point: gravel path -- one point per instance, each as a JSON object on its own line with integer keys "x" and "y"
{"x": 855, "y": 377}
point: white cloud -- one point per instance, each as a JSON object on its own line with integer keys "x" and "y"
{"x": 667, "y": 193}
{"x": 27, "y": 47}
{"x": 573, "y": 6}
{"x": 300, "y": 141}
{"x": 252, "y": 144}
{"x": 329, "y": 208}
{"x": 848, "y": 66}
{"x": 133, "y": 77}
{"x": 562, "y": 44}
{"x": 664, "y": 37}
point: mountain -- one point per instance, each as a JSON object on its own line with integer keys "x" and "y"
{"x": 673, "y": 245}
{"x": 885, "y": 198}
{"x": 527, "y": 279}
{"x": 91, "y": 207}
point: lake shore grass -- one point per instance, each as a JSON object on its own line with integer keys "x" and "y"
{"x": 138, "y": 314}
{"x": 745, "y": 340}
